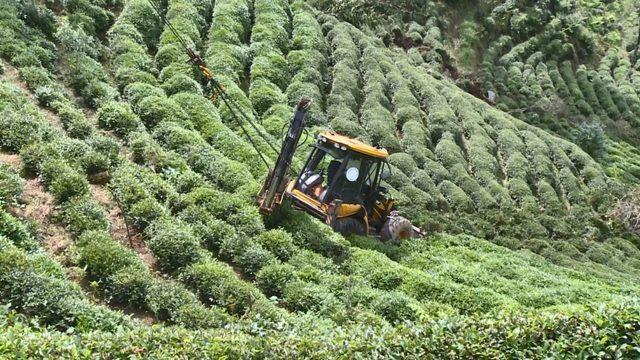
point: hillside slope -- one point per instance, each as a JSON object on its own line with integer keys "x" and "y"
{"x": 570, "y": 67}
{"x": 105, "y": 103}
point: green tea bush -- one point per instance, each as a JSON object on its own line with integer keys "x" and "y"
{"x": 218, "y": 285}
{"x": 89, "y": 79}
{"x": 76, "y": 39}
{"x": 448, "y": 152}
{"x": 316, "y": 236}
{"x": 17, "y": 232}
{"x": 19, "y": 128}
{"x": 172, "y": 303}
{"x": 591, "y": 138}
{"x": 264, "y": 94}
{"x": 104, "y": 257}
{"x": 375, "y": 268}
{"x": 138, "y": 91}
{"x": 404, "y": 162}
{"x": 273, "y": 278}
{"x": 302, "y": 297}
{"x": 456, "y": 197}
{"x": 214, "y": 232}
{"x": 73, "y": 120}
{"x": 119, "y": 117}
{"x": 271, "y": 67}
{"x": 154, "y": 110}
{"x": 57, "y": 303}
{"x": 92, "y": 17}
{"x": 253, "y": 257}
{"x": 206, "y": 119}
{"x": 128, "y": 286}
{"x": 396, "y": 307}
{"x": 82, "y": 215}
{"x": 181, "y": 83}
{"x": 66, "y": 184}
{"x": 11, "y": 186}
{"x": 173, "y": 244}
{"x": 278, "y": 242}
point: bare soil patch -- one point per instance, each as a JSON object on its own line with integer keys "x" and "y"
{"x": 39, "y": 206}
{"x": 120, "y": 230}
{"x": 12, "y": 160}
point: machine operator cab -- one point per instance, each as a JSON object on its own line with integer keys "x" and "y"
{"x": 340, "y": 184}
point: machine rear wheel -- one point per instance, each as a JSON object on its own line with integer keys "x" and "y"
{"x": 396, "y": 229}
{"x": 349, "y": 226}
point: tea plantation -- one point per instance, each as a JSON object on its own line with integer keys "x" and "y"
{"x": 128, "y": 221}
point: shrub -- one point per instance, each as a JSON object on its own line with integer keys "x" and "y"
{"x": 278, "y": 242}
{"x": 146, "y": 211}
{"x": 96, "y": 93}
{"x": 456, "y": 197}
{"x": 272, "y": 67}
{"x": 82, "y": 215}
{"x": 404, "y": 162}
{"x": 94, "y": 163}
{"x": 119, "y": 117}
{"x": 19, "y": 128}
{"x": 227, "y": 174}
{"x": 138, "y": 91}
{"x": 104, "y": 257}
{"x": 73, "y": 120}
{"x": 273, "y": 278}
{"x": 252, "y": 258}
{"x": 129, "y": 286}
{"x": 264, "y": 94}
{"x": 33, "y": 156}
{"x": 448, "y": 152}
{"x": 11, "y": 186}
{"x": 67, "y": 185}
{"x": 376, "y": 268}
{"x": 590, "y": 137}
{"x": 316, "y": 236}
{"x": 17, "y": 232}
{"x": 173, "y": 244}
{"x": 165, "y": 299}
{"x": 75, "y": 39}
{"x": 38, "y": 17}
{"x": 517, "y": 166}
{"x": 180, "y": 83}
{"x": 47, "y": 95}
{"x": 218, "y": 285}
{"x": 155, "y": 109}
{"x": 196, "y": 316}
{"x": 396, "y": 307}
{"x": 302, "y": 297}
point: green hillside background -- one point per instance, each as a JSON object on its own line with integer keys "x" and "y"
{"x": 129, "y": 227}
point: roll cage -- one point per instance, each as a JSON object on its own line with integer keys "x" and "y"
{"x": 351, "y": 177}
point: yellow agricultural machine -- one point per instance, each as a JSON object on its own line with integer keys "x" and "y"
{"x": 340, "y": 182}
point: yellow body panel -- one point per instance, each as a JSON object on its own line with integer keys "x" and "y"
{"x": 345, "y": 210}
{"x": 355, "y": 145}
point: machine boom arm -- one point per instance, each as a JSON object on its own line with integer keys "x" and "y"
{"x": 271, "y": 193}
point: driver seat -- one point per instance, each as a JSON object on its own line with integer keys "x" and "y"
{"x": 310, "y": 180}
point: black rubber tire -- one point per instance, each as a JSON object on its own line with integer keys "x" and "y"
{"x": 396, "y": 229}
{"x": 349, "y": 226}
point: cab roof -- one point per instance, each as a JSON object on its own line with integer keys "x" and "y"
{"x": 355, "y": 145}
